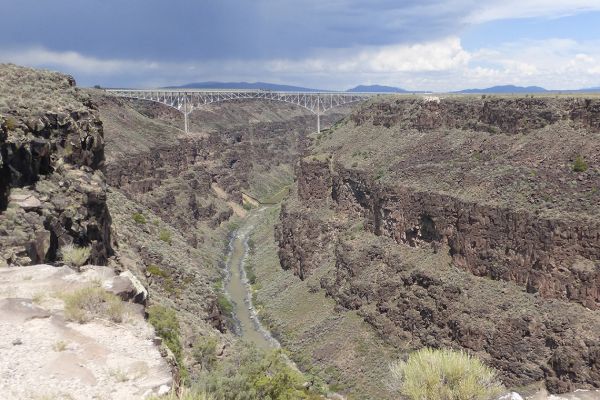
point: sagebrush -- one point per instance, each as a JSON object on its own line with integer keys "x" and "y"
{"x": 75, "y": 256}
{"x": 434, "y": 374}
{"x": 91, "y": 302}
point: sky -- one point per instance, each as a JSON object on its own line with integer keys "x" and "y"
{"x": 437, "y": 45}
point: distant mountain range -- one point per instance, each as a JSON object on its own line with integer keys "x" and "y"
{"x": 525, "y": 89}
{"x": 245, "y": 85}
{"x": 284, "y": 88}
{"x": 377, "y": 89}
{"x": 592, "y": 89}
{"x": 506, "y": 89}
{"x": 502, "y": 89}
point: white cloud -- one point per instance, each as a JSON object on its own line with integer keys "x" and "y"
{"x": 492, "y": 10}
{"x": 71, "y": 60}
{"x": 440, "y": 65}
{"x": 431, "y": 56}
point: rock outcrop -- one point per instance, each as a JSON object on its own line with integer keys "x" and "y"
{"x": 52, "y": 189}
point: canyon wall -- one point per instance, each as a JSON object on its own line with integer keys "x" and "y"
{"x": 515, "y": 282}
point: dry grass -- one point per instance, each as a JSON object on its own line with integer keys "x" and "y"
{"x": 59, "y": 346}
{"x": 119, "y": 375}
{"x": 38, "y": 297}
{"x": 444, "y": 375}
{"x": 91, "y": 302}
{"x": 75, "y": 256}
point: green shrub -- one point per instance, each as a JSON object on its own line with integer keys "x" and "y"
{"x": 444, "y": 375}
{"x": 580, "y": 165}
{"x": 250, "y": 275}
{"x": 91, "y": 302}
{"x": 205, "y": 352}
{"x": 247, "y": 206}
{"x": 225, "y": 305}
{"x": 155, "y": 270}
{"x": 165, "y": 236}
{"x": 11, "y": 123}
{"x": 257, "y": 375}
{"x": 75, "y": 256}
{"x": 166, "y": 325}
{"x": 139, "y": 218}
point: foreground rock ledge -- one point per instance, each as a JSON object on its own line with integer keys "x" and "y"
{"x": 42, "y": 355}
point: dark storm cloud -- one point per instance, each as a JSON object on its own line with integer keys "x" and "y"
{"x": 178, "y": 30}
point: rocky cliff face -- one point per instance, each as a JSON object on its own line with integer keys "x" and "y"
{"x": 52, "y": 189}
{"x": 492, "y": 114}
{"x": 460, "y": 266}
{"x": 552, "y": 257}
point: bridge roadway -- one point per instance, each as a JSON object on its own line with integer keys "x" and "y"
{"x": 187, "y": 100}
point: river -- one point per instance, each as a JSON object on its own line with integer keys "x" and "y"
{"x": 238, "y": 289}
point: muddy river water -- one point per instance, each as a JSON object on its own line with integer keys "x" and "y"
{"x": 238, "y": 289}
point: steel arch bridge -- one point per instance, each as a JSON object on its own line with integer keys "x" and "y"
{"x": 187, "y": 101}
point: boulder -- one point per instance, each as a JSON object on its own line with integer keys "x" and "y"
{"x": 127, "y": 287}
{"x": 26, "y": 201}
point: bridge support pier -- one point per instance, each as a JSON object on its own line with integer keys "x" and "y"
{"x": 318, "y": 123}
{"x": 185, "y": 114}
{"x": 318, "y": 115}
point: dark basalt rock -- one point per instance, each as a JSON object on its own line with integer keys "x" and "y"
{"x": 56, "y": 158}
{"x": 520, "y": 291}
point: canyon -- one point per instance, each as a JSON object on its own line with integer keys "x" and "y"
{"x": 409, "y": 222}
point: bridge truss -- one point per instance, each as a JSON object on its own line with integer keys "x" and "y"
{"x": 187, "y": 101}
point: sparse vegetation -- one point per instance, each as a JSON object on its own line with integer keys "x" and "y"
{"x": 165, "y": 236}
{"x": 580, "y": 165}
{"x": 59, "y": 346}
{"x": 444, "y": 375}
{"x": 10, "y": 123}
{"x": 38, "y": 297}
{"x": 139, "y": 218}
{"x": 166, "y": 324}
{"x": 28, "y": 91}
{"x": 119, "y": 375}
{"x": 185, "y": 394}
{"x": 254, "y": 375}
{"x": 91, "y": 302}
{"x": 155, "y": 270}
{"x": 75, "y": 256}
{"x": 205, "y": 352}
{"x": 225, "y": 305}
{"x": 250, "y": 274}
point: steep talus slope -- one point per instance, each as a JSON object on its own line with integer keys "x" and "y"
{"x": 52, "y": 190}
{"x": 461, "y": 222}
